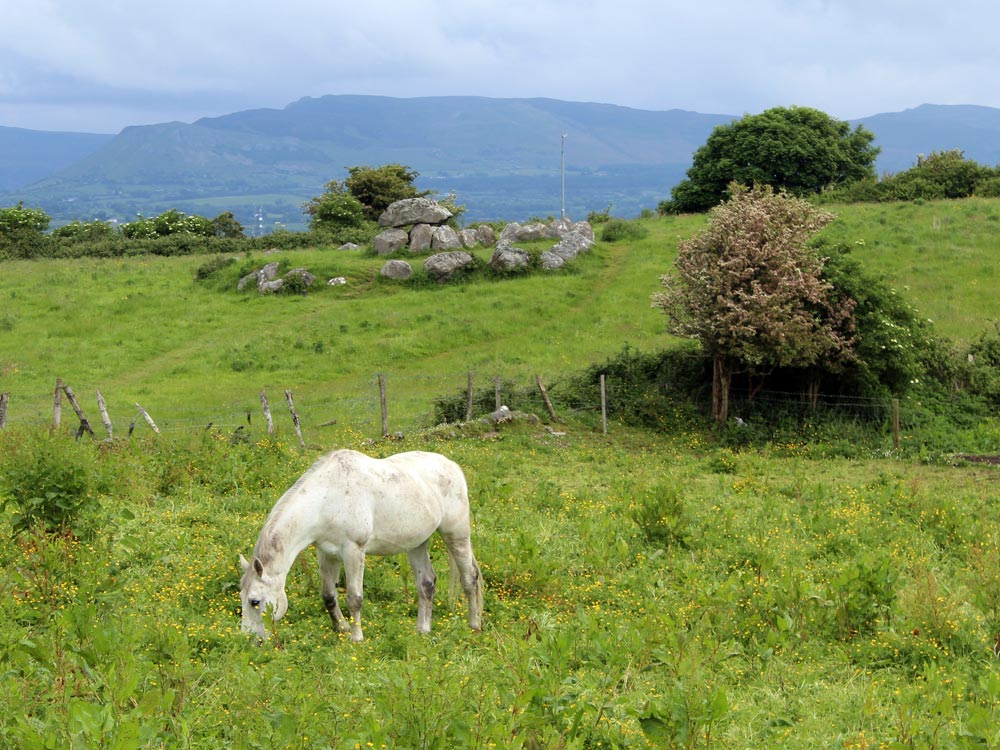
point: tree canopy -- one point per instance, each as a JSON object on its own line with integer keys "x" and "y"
{"x": 751, "y": 291}
{"x": 795, "y": 149}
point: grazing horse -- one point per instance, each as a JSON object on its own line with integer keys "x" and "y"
{"x": 351, "y": 505}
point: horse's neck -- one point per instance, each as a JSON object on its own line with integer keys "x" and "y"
{"x": 285, "y": 534}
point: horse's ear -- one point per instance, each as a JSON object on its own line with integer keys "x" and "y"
{"x": 258, "y": 567}
{"x": 243, "y": 563}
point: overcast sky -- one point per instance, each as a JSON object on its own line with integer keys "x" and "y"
{"x": 101, "y": 65}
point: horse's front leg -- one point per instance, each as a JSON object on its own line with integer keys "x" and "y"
{"x": 329, "y": 570}
{"x": 354, "y": 578}
{"x": 425, "y": 579}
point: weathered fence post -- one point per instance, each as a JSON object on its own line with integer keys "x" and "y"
{"x": 383, "y": 404}
{"x": 149, "y": 420}
{"x": 103, "y": 409}
{"x": 496, "y": 391}
{"x": 604, "y": 406}
{"x": 57, "y": 404}
{"x": 267, "y": 412}
{"x": 468, "y": 400}
{"x": 895, "y": 424}
{"x": 295, "y": 417}
{"x": 545, "y": 398}
{"x": 84, "y": 422}
{"x": 4, "y": 401}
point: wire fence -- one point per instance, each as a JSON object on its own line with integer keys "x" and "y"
{"x": 389, "y": 404}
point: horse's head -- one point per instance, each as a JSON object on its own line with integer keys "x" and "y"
{"x": 259, "y": 593}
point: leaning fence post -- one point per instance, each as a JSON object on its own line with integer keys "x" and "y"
{"x": 149, "y": 420}
{"x": 295, "y": 417}
{"x": 4, "y": 400}
{"x": 84, "y": 422}
{"x": 468, "y": 400}
{"x": 267, "y": 412}
{"x": 604, "y": 406}
{"x": 102, "y": 407}
{"x": 545, "y": 398}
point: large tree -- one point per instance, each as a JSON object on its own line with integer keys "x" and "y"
{"x": 751, "y": 291}
{"x": 795, "y": 149}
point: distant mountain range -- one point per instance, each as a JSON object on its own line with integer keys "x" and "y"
{"x": 502, "y": 157}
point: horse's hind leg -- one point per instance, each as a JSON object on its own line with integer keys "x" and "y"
{"x": 354, "y": 577}
{"x": 426, "y": 581}
{"x": 329, "y": 571}
{"x": 464, "y": 567}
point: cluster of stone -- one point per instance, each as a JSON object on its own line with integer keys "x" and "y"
{"x": 267, "y": 281}
{"x": 420, "y": 225}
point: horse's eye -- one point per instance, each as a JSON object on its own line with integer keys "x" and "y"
{"x": 255, "y": 603}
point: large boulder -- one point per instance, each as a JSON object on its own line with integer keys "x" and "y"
{"x": 507, "y": 258}
{"x": 420, "y": 238}
{"x": 550, "y": 261}
{"x": 397, "y": 269}
{"x": 260, "y": 277}
{"x": 486, "y": 235}
{"x": 468, "y": 237}
{"x": 442, "y": 266}
{"x": 445, "y": 238}
{"x": 571, "y": 245}
{"x": 390, "y": 241}
{"x": 414, "y": 211}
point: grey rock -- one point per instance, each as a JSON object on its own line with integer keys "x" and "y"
{"x": 486, "y": 235}
{"x": 397, "y": 269}
{"x": 551, "y": 261}
{"x": 420, "y": 238}
{"x": 508, "y": 258}
{"x": 442, "y": 266}
{"x": 390, "y": 241}
{"x": 468, "y": 237}
{"x": 414, "y": 211}
{"x": 445, "y": 238}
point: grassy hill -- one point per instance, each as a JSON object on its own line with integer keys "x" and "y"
{"x": 643, "y": 590}
{"x": 143, "y": 330}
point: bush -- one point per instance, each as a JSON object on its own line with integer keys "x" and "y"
{"x": 48, "y": 482}
{"x": 617, "y": 230}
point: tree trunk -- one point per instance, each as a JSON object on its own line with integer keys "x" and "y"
{"x": 721, "y": 377}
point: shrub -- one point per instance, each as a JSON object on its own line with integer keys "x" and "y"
{"x": 617, "y": 230}
{"x": 48, "y": 482}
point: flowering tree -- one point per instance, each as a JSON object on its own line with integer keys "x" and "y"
{"x": 752, "y": 293}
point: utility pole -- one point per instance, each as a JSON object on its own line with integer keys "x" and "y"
{"x": 564, "y": 176}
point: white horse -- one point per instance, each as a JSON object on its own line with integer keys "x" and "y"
{"x": 351, "y": 505}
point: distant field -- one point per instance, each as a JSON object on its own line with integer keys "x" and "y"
{"x": 143, "y": 330}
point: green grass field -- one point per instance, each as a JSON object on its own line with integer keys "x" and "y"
{"x": 143, "y": 330}
{"x": 644, "y": 590}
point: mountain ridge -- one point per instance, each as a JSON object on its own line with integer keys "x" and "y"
{"x": 502, "y": 157}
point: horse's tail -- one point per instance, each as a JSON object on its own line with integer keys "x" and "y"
{"x": 455, "y": 588}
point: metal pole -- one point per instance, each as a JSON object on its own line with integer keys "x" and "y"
{"x": 563, "y": 155}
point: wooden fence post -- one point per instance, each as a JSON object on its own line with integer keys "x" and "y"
{"x": 468, "y": 400}
{"x": 604, "y": 406}
{"x": 57, "y": 404}
{"x": 267, "y": 412}
{"x": 149, "y": 420}
{"x": 103, "y": 409}
{"x": 4, "y": 401}
{"x": 895, "y": 424}
{"x": 84, "y": 422}
{"x": 545, "y": 398}
{"x": 295, "y": 417}
{"x": 383, "y": 404}
{"x": 496, "y": 391}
